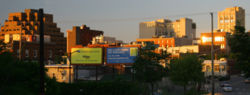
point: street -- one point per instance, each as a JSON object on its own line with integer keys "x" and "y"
{"x": 238, "y": 85}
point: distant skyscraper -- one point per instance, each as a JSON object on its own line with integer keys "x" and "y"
{"x": 183, "y": 27}
{"x": 160, "y": 27}
{"x": 230, "y": 17}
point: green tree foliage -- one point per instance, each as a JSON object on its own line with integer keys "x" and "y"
{"x": 239, "y": 43}
{"x": 147, "y": 67}
{"x": 22, "y": 78}
{"x": 185, "y": 70}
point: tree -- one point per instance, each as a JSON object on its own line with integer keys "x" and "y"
{"x": 21, "y": 78}
{"x": 239, "y": 43}
{"x": 187, "y": 69}
{"x": 147, "y": 67}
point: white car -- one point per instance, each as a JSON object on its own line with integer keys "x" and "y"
{"x": 227, "y": 88}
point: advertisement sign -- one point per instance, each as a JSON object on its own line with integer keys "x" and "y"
{"x": 86, "y": 56}
{"x": 121, "y": 55}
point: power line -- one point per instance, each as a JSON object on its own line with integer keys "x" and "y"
{"x": 138, "y": 18}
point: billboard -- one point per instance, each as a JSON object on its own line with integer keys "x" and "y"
{"x": 86, "y": 56}
{"x": 121, "y": 55}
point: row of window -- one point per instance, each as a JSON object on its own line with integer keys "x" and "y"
{"x": 11, "y": 30}
{"x": 35, "y": 53}
{"x": 226, "y": 21}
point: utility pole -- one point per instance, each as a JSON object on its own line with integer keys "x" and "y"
{"x": 20, "y": 43}
{"x": 42, "y": 87}
{"x": 212, "y": 52}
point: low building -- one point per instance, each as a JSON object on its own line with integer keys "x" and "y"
{"x": 220, "y": 68}
{"x": 219, "y": 39}
{"x": 195, "y": 49}
{"x": 61, "y": 72}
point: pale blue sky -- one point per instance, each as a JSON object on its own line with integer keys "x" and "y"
{"x": 121, "y": 18}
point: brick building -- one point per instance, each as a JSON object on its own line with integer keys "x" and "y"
{"x": 81, "y": 36}
{"x": 27, "y": 25}
{"x": 219, "y": 39}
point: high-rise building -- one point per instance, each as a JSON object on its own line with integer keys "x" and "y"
{"x": 230, "y": 17}
{"x": 81, "y": 35}
{"x": 24, "y": 26}
{"x": 160, "y": 27}
{"x": 184, "y": 27}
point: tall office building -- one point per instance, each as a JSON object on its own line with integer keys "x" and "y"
{"x": 184, "y": 27}
{"x": 160, "y": 27}
{"x": 24, "y": 26}
{"x": 229, "y": 18}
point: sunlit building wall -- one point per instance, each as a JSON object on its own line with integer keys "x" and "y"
{"x": 229, "y": 18}
{"x": 61, "y": 72}
{"x": 219, "y": 39}
{"x": 184, "y": 27}
{"x": 27, "y": 24}
{"x": 160, "y": 27}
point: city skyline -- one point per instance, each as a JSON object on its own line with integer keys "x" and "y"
{"x": 121, "y": 19}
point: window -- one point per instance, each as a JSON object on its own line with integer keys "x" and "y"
{"x": 221, "y": 21}
{"x": 206, "y": 39}
{"x": 50, "y": 53}
{"x": 219, "y": 39}
{"x": 216, "y": 68}
{"x": 26, "y": 53}
{"x": 222, "y": 46}
{"x": 35, "y": 53}
{"x": 177, "y": 51}
{"x": 17, "y": 53}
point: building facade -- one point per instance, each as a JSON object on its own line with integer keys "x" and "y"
{"x": 24, "y": 27}
{"x": 81, "y": 35}
{"x": 229, "y": 18}
{"x": 183, "y": 27}
{"x": 160, "y": 27}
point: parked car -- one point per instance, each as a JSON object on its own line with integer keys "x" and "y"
{"x": 247, "y": 80}
{"x": 227, "y": 88}
{"x": 224, "y": 83}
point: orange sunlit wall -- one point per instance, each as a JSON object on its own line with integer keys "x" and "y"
{"x": 162, "y": 42}
{"x": 219, "y": 39}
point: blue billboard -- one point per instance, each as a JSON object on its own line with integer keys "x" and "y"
{"x": 121, "y": 55}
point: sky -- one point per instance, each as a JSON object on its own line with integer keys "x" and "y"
{"x": 121, "y": 18}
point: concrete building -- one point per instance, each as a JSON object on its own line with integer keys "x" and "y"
{"x": 229, "y": 18}
{"x": 81, "y": 36}
{"x": 27, "y": 25}
{"x": 105, "y": 40}
{"x": 183, "y": 27}
{"x": 160, "y": 27}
